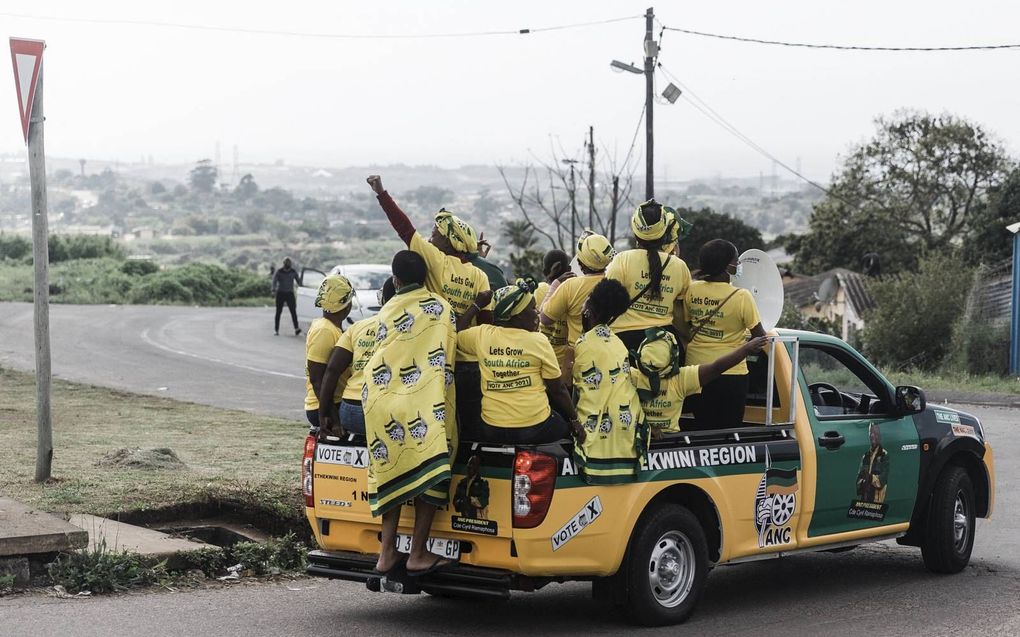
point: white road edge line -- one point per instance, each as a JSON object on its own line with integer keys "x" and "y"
{"x": 259, "y": 370}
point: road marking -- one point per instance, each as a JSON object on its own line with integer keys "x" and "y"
{"x": 258, "y": 370}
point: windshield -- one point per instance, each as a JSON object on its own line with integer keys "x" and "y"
{"x": 366, "y": 277}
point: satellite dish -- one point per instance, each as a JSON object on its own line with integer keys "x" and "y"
{"x": 760, "y": 276}
{"x": 828, "y": 289}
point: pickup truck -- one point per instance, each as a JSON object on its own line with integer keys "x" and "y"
{"x": 831, "y": 455}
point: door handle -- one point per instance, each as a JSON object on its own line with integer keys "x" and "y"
{"x": 831, "y": 440}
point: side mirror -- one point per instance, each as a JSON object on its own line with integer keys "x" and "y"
{"x": 909, "y": 400}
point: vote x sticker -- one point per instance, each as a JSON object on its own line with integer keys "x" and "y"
{"x": 591, "y": 511}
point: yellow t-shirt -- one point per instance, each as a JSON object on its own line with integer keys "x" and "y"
{"x": 457, "y": 282}
{"x": 663, "y": 411}
{"x": 556, "y": 332}
{"x": 631, "y": 269}
{"x": 359, "y": 340}
{"x": 322, "y": 338}
{"x": 567, "y": 301}
{"x": 514, "y": 366}
{"x": 724, "y": 332}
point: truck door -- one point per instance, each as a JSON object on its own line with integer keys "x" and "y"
{"x": 867, "y": 456}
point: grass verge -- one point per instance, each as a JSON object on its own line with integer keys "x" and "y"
{"x": 235, "y": 462}
{"x": 957, "y": 382}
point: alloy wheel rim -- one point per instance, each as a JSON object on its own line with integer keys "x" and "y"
{"x": 961, "y": 523}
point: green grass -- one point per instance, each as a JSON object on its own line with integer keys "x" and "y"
{"x": 233, "y": 458}
{"x": 957, "y": 382}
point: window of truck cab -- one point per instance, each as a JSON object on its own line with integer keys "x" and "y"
{"x": 840, "y": 384}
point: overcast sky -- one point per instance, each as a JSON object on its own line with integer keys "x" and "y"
{"x": 118, "y": 91}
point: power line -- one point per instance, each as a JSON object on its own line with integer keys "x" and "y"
{"x": 845, "y": 47}
{"x": 705, "y": 109}
{"x": 320, "y": 35}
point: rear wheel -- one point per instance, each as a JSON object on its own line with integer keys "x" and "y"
{"x": 666, "y": 568}
{"x": 949, "y": 530}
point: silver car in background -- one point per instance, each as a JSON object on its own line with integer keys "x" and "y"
{"x": 367, "y": 279}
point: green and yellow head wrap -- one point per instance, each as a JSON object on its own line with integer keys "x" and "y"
{"x": 461, "y": 235}
{"x": 335, "y": 293}
{"x": 513, "y": 299}
{"x": 646, "y": 231}
{"x": 658, "y": 357}
{"x": 595, "y": 252}
{"x": 677, "y": 231}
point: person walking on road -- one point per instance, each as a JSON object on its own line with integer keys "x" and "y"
{"x": 284, "y": 281}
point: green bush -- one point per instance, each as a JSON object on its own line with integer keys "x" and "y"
{"x": 211, "y": 560}
{"x": 89, "y": 281}
{"x": 83, "y": 246}
{"x": 102, "y": 570}
{"x": 137, "y": 267}
{"x": 912, "y": 323}
{"x": 14, "y": 247}
{"x": 252, "y": 555}
{"x": 289, "y": 552}
{"x": 162, "y": 291}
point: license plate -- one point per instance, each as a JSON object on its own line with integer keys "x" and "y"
{"x": 442, "y": 547}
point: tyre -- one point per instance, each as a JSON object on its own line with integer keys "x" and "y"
{"x": 665, "y": 569}
{"x": 948, "y": 536}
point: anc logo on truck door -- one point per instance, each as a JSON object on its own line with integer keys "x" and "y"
{"x": 774, "y": 504}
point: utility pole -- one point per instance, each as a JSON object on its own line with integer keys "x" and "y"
{"x": 591, "y": 178}
{"x": 651, "y": 51}
{"x": 573, "y": 205}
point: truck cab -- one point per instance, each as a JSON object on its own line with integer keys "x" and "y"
{"x": 830, "y": 455}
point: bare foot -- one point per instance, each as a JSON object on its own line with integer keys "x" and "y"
{"x": 387, "y": 560}
{"x": 426, "y": 562}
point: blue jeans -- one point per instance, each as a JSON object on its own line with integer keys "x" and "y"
{"x": 352, "y": 417}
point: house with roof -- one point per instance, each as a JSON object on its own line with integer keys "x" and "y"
{"x": 838, "y": 295}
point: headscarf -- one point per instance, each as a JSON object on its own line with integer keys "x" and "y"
{"x": 651, "y": 231}
{"x": 677, "y": 231}
{"x": 461, "y": 235}
{"x": 657, "y": 357}
{"x": 335, "y": 293}
{"x": 513, "y": 299}
{"x": 595, "y": 252}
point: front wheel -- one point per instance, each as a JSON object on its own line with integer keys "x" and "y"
{"x": 666, "y": 568}
{"x": 949, "y": 530}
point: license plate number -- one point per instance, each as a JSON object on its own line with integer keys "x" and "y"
{"x": 442, "y": 547}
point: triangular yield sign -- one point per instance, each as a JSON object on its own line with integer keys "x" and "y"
{"x": 26, "y": 55}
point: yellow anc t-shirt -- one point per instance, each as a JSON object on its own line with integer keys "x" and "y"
{"x": 514, "y": 366}
{"x": 556, "y": 332}
{"x": 724, "y": 332}
{"x": 322, "y": 338}
{"x": 663, "y": 411}
{"x": 567, "y": 301}
{"x": 631, "y": 269}
{"x": 360, "y": 341}
{"x": 449, "y": 277}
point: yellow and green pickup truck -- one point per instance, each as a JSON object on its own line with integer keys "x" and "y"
{"x": 831, "y": 455}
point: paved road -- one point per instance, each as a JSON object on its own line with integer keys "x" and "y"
{"x": 880, "y": 589}
{"x": 225, "y": 357}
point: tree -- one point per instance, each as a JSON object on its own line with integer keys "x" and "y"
{"x": 547, "y": 195}
{"x": 246, "y": 188}
{"x": 203, "y": 176}
{"x": 988, "y": 241}
{"x": 431, "y": 198}
{"x": 913, "y": 188}
{"x": 710, "y": 225}
{"x": 524, "y": 259}
{"x": 912, "y": 323}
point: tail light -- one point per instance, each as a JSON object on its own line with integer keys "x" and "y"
{"x": 306, "y": 471}
{"x": 534, "y": 482}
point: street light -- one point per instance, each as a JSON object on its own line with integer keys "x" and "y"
{"x": 619, "y": 66}
{"x": 651, "y": 50}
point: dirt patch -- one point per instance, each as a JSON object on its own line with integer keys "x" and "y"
{"x": 160, "y": 458}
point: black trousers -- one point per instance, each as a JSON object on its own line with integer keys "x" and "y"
{"x": 720, "y": 405}
{"x": 468, "y": 380}
{"x": 286, "y": 298}
{"x": 552, "y": 429}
